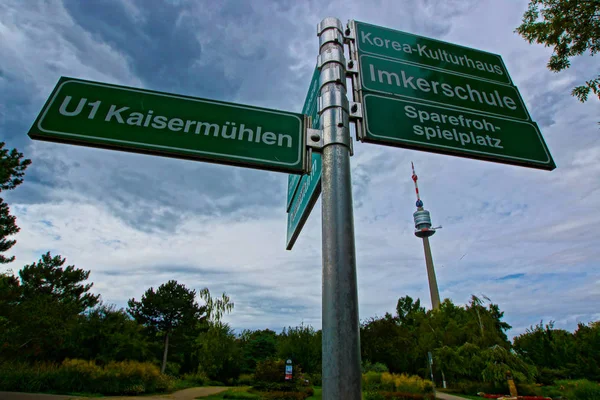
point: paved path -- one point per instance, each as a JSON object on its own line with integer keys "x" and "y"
{"x": 446, "y": 396}
{"x": 186, "y": 394}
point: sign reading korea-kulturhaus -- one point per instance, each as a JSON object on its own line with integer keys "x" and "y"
{"x": 425, "y": 94}
{"x": 137, "y": 120}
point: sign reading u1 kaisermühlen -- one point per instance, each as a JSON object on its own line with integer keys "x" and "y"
{"x": 136, "y": 120}
{"x": 426, "y": 94}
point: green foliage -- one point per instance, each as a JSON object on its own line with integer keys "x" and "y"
{"x": 301, "y": 344}
{"x": 8, "y": 227}
{"x": 284, "y": 396}
{"x": 108, "y": 334}
{"x": 170, "y": 308}
{"x": 12, "y": 169}
{"x": 43, "y": 307}
{"x": 257, "y": 346}
{"x": 579, "y": 389}
{"x": 219, "y": 352}
{"x": 571, "y": 27}
{"x": 374, "y": 395}
{"x": 241, "y": 395}
{"x": 367, "y": 366}
{"x": 398, "y": 383}
{"x": 245, "y": 380}
{"x": 128, "y": 377}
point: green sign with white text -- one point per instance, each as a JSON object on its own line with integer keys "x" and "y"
{"x": 448, "y": 131}
{"x": 425, "y": 94}
{"x": 444, "y": 88}
{"x": 303, "y": 191}
{"x": 397, "y": 45}
{"x": 309, "y": 109}
{"x": 143, "y": 121}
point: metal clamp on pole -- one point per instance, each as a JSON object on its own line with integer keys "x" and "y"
{"x": 341, "y": 341}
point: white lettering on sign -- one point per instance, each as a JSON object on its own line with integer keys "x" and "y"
{"x": 430, "y": 53}
{"x": 465, "y": 92}
{"x": 453, "y": 134}
{"x": 227, "y": 130}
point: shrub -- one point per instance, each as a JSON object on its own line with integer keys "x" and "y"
{"x": 240, "y": 395}
{"x": 525, "y": 389}
{"x": 284, "y": 396}
{"x": 245, "y": 380}
{"x": 125, "y": 377}
{"x": 315, "y": 379}
{"x": 472, "y": 388}
{"x": 581, "y": 389}
{"x": 376, "y": 367}
{"x": 198, "y": 378}
{"x": 374, "y": 395}
{"x": 371, "y": 380}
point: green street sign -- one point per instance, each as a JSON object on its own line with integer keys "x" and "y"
{"x": 397, "y": 78}
{"x": 143, "y": 121}
{"x": 304, "y": 191}
{"x": 309, "y": 109}
{"x": 306, "y": 196}
{"x": 425, "y": 94}
{"x": 409, "y": 124}
{"x": 397, "y": 45}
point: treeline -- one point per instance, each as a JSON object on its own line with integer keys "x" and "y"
{"x": 49, "y": 316}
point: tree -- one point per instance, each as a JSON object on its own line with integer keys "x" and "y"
{"x": 219, "y": 352}
{"x": 172, "y": 306}
{"x": 43, "y": 307}
{"x": 12, "y": 169}
{"x": 217, "y": 306}
{"x": 108, "y": 334}
{"x": 257, "y": 346}
{"x": 301, "y": 344}
{"x": 48, "y": 278}
{"x": 572, "y": 27}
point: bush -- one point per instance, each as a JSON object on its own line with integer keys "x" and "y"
{"x": 472, "y": 388}
{"x": 376, "y": 367}
{"x": 284, "y": 396}
{"x": 581, "y": 389}
{"x": 240, "y": 395}
{"x": 371, "y": 380}
{"x": 315, "y": 379}
{"x": 198, "y": 378}
{"x": 526, "y": 389}
{"x": 373, "y": 395}
{"x": 126, "y": 377}
{"x": 245, "y": 380}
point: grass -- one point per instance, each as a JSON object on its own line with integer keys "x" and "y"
{"x": 466, "y": 396}
{"x": 318, "y": 395}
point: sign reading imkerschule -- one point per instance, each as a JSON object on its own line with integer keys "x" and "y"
{"x": 425, "y": 94}
{"x": 137, "y": 120}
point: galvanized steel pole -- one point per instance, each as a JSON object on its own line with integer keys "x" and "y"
{"x": 341, "y": 340}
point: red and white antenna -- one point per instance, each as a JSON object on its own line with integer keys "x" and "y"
{"x": 414, "y": 178}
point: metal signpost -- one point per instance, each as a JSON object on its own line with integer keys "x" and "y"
{"x": 424, "y": 94}
{"x": 341, "y": 342}
{"x": 136, "y": 120}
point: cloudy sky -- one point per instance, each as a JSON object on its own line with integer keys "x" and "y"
{"x": 526, "y": 238}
